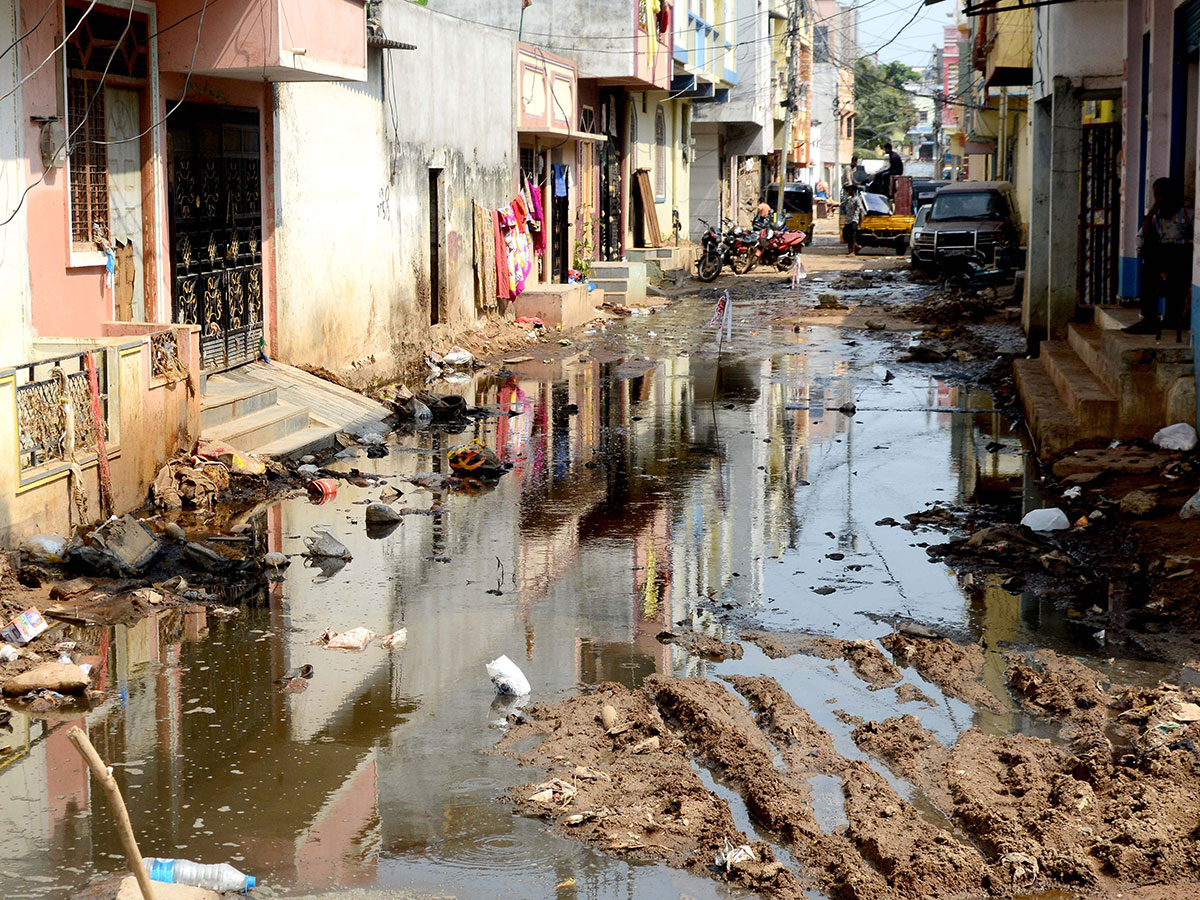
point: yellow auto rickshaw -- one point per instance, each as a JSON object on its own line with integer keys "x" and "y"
{"x": 797, "y": 206}
{"x": 882, "y": 226}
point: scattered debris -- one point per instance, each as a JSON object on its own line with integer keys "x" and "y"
{"x": 1048, "y": 519}
{"x": 1180, "y": 436}
{"x": 45, "y": 548}
{"x": 24, "y": 628}
{"x": 325, "y": 544}
{"x": 398, "y": 638}
{"x": 354, "y": 639}
{"x": 64, "y": 678}
{"x": 507, "y": 678}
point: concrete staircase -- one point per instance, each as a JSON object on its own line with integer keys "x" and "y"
{"x": 1101, "y": 383}
{"x": 278, "y": 410}
{"x": 623, "y": 283}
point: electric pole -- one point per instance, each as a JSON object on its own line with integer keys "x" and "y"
{"x": 939, "y": 100}
{"x": 793, "y": 31}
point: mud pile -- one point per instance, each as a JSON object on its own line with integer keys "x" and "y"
{"x": 1110, "y": 804}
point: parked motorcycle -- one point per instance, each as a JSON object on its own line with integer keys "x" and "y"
{"x": 730, "y": 247}
{"x": 775, "y": 245}
{"x": 712, "y": 256}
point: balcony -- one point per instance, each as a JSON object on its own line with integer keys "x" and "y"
{"x": 1005, "y": 48}
{"x": 273, "y": 40}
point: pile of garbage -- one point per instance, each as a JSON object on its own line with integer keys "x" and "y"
{"x": 196, "y": 480}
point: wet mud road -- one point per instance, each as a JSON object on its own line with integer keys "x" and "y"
{"x": 657, "y": 487}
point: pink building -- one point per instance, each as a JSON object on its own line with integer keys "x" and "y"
{"x": 139, "y": 133}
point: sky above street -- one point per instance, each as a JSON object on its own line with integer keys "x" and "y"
{"x": 880, "y": 20}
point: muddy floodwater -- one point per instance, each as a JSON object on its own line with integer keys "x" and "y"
{"x": 654, "y": 487}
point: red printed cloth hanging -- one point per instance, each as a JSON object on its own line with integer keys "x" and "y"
{"x": 519, "y": 247}
{"x": 537, "y": 219}
{"x": 503, "y": 277}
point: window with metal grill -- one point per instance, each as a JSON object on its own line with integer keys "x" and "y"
{"x": 89, "y": 159}
{"x": 106, "y": 49}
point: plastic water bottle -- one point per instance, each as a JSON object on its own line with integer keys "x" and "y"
{"x": 222, "y": 878}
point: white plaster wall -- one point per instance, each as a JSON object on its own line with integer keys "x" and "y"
{"x": 14, "y": 275}
{"x": 594, "y": 34}
{"x": 643, "y": 155}
{"x": 706, "y": 181}
{"x": 749, "y": 99}
{"x": 825, "y": 135}
{"x": 1084, "y": 41}
{"x": 352, "y": 191}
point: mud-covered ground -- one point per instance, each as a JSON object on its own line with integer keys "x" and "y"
{"x": 1110, "y": 802}
{"x": 885, "y": 723}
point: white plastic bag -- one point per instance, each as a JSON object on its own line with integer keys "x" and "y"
{"x": 325, "y": 544}
{"x": 398, "y": 638}
{"x": 1191, "y": 509}
{"x": 354, "y": 639}
{"x": 507, "y": 678}
{"x": 9, "y": 653}
{"x": 45, "y": 548}
{"x": 308, "y": 470}
{"x": 1180, "y": 436}
{"x": 457, "y": 356}
{"x": 1048, "y": 519}
{"x": 371, "y": 439}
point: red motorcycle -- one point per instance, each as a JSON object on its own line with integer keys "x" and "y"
{"x": 776, "y": 246}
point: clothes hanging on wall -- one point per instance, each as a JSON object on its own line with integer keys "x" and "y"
{"x": 503, "y": 276}
{"x": 485, "y": 257}
{"x": 560, "y": 180}
{"x": 516, "y": 239}
{"x": 537, "y": 219}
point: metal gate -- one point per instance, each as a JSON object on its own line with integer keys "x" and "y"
{"x": 610, "y": 182}
{"x": 1099, "y": 215}
{"x": 216, "y": 230}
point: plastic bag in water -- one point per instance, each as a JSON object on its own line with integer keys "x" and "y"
{"x": 325, "y": 544}
{"x": 507, "y": 678}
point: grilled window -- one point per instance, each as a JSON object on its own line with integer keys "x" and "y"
{"x": 105, "y": 49}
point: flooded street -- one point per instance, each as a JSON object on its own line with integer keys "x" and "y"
{"x": 655, "y": 487}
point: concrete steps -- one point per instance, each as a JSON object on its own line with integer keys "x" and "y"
{"x": 1105, "y": 383}
{"x": 278, "y": 410}
{"x": 1051, "y": 423}
{"x": 251, "y": 431}
{"x": 1093, "y": 406}
{"x": 223, "y": 402}
{"x": 625, "y": 279}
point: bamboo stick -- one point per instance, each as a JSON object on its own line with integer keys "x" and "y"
{"x": 120, "y": 813}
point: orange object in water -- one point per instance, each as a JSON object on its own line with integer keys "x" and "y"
{"x": 474, "y": 459}
{"x": 321, "y": 490}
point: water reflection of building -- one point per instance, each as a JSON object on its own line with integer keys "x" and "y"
{"x": 206, "y": 762}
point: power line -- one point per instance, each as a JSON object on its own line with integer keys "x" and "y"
{"x": 35, "y": 27}
{"x": 82, "y": 119}
{"x": 53, "y": 53}
{"x": 178, "y": 103}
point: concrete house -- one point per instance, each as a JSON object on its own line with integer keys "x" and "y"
{"x": 1112, "y": 114}
{"x": 137, "y": 143}
{"x": 835, "y": 47}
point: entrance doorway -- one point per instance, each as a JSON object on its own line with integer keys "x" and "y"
{"x": 216, "y": 230}
{"x": 1100, "y": 202}
{"x": 610, "y": 181}
{"x": 435, "y": 246}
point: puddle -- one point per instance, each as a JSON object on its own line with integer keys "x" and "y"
{"x": 644, "y": 492}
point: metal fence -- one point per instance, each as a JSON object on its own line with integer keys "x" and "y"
{"x": 41, "y": 423}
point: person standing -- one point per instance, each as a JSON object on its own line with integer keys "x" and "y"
{"x": 1165, "y": 248}
{"x": 854, "y": 214}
